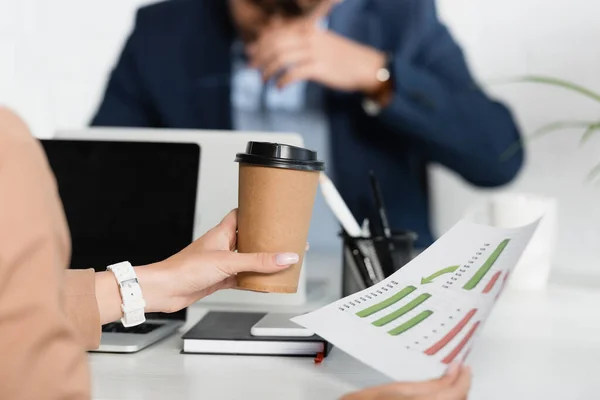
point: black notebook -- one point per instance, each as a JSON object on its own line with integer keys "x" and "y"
{"x": 229, "y": 333}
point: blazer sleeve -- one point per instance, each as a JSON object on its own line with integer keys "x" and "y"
{"x": 438, "y": 104}
{"x": 42, "y": 357}
{"x": 125, "y": 102}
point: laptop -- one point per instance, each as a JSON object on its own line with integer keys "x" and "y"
{"x": 127, "y": 201}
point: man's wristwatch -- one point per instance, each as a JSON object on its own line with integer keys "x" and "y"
{"x": 133, "y": 303}
{"x": 384, "y": 76}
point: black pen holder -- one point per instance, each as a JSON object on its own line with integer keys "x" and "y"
{"x": 355, "y": 278}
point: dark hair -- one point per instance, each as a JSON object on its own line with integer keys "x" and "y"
{"x": 286, "y": 8}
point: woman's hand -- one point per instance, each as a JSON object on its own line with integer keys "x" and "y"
{"x": 204, "y": 267}
{"x": 454, "y": 385}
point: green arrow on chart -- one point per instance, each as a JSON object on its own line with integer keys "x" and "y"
{"x": 441, "y": 272}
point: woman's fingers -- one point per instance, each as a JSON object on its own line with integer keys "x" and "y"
{"x": 228, "y": 227}
{"x": 431, "y": 386}
{"x": 228, "y": 283}
{"x": 234, "y": 263}
{"x": 454, "y": 385}
{"x": 459, "y": 390}
{"x": 222, "y": 236}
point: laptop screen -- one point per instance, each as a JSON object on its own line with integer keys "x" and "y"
{"x": 126, "y": 201}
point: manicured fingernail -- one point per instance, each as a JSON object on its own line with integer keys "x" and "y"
{"x": 307, "y": 246}
{"x": 286, "y": 259}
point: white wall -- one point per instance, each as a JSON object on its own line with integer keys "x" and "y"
{"x": 558, "y": 38}
{"x": 55, "y": 55}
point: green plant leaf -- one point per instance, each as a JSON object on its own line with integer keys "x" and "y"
{"x": 555, "y": 126}
{"x": 594, "y": 174}
{"x": 592, "y": 129}
{"x": 546, "y": 80}
{"x": 560, "y": 125}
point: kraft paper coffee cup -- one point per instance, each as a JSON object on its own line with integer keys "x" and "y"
{"x": 277, "y": 189}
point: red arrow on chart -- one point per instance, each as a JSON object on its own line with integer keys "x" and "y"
{"x": 488, "y": 288}
{"x": 503, "y": 286}
{"x": 451, "y": 335}
{"x": 450, "y": 357}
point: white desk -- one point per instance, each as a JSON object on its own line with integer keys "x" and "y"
{"x": 534, "y": 346}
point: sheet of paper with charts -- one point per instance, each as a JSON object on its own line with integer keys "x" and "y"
{"x": 429, "y": 313}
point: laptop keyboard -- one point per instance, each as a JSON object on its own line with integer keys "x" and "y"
{"x": 117, "y": 327}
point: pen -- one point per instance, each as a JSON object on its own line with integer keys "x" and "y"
{"x": 388, "y": 246}
{"x": 366, "y": 231}
{"x": 339, "y": 207}
{"x": 368, "y": 247}
{"x": 382, "y": 214}
{"x": 363, "y": 264}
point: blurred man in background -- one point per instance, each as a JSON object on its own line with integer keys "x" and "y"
{"x": 382, "y": 81}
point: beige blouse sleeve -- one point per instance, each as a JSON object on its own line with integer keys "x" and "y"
{"x": 42, "y": 355}
{"x": 81, "y": 307}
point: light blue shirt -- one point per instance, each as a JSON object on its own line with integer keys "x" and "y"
{"x": 296, "y": 108}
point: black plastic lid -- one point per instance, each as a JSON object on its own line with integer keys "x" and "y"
{"x": 280, "y": 156}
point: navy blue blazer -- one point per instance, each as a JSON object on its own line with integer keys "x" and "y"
{"x": 175, "y": 69}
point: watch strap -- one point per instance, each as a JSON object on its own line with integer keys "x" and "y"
{"x": 133, "y": 303}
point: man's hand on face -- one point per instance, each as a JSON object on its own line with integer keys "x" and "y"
{"x": 299, "y": 50}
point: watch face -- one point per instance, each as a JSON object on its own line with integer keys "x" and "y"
{"x": 371, "y": 107}
{"x": 131, "y": 283}
{"x": 383, "y": 75}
